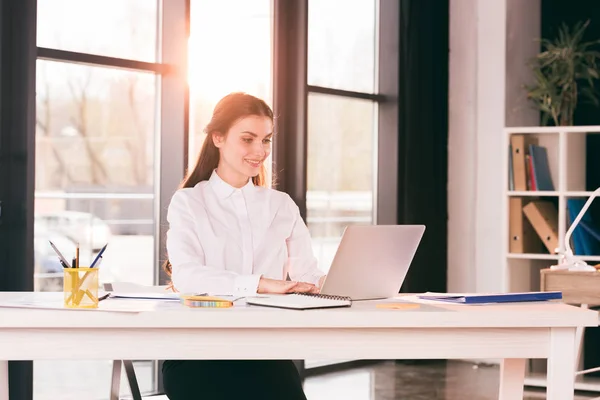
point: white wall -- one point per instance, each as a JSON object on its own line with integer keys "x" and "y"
{"x": 489, "y": 44}
{"x": 523, "y": 29}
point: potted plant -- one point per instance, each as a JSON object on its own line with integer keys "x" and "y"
{"x": 564, "y": 70}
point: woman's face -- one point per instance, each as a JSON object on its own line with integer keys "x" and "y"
{"x": 246, "y": 145}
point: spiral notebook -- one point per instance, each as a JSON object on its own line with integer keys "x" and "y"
{"x": 300, "y": 301}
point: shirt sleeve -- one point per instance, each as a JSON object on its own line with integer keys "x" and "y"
{"x": 302, "y": 264}
{"x": 187, "y": 258}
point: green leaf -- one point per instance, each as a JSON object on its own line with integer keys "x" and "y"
{"x": 563, "y": 72}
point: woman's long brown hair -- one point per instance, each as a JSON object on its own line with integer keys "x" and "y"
{"x": 228, "y": 111}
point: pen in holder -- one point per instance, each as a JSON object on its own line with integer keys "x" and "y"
{"x": 80, "y": 287}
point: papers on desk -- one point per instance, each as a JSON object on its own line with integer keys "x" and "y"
{"x": 144, "y": 296}
{"x": 176, "y": 297}
{"x": 55, "y": 301}
{"x": 133, "y": 291}
{"x": 130, "y": 302}
{"x": 135, "y": 306}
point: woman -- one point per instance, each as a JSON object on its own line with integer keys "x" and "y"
{"x": 230, "y": 234}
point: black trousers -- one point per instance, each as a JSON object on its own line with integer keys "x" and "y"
{"x": 232, "y": 379}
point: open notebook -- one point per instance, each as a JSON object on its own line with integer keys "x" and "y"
{"x": 300, "y": 301}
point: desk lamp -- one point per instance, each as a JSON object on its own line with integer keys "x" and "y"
{"x": 567, "y": 260}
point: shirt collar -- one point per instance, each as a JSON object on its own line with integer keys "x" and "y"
{"x": 224, "y": 189}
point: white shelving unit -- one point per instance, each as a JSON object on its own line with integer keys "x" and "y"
{"x": 566, "y": 147}
{"x": 566, "y": 158}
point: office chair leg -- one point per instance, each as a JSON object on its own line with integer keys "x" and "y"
{"x": 301, "y": 369}
{"x": 133, "y": 385}
{"x": 115, "y": 381}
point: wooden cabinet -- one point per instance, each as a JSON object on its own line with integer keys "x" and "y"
{"x": 578, "y": 287}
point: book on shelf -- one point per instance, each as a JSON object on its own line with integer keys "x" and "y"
{"x": 543, "y": 216}
{"x": 591, "y": 230}
{"x": 585, "y": 239}
{"x": 518, "y": 148}
{"x": 540, "y": 169}
{"x": 529, "y": 173}
{"x": 529, "y": 169}
{"x": 511, "y": 181}
{"x": 523, "y": 238}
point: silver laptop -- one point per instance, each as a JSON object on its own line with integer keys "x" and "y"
{"x": 371, "y": 261}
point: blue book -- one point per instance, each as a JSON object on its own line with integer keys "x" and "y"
{"x": 574, "y": 207}
{"x": 586, "y": 237}
{"x": 494, "y": 298}
{"x": 591, "y": 238}
{"x": 595, "y": 233}
{"x": 541, "y": 169}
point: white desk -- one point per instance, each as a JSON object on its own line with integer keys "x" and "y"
{"x": 513, "y": 332}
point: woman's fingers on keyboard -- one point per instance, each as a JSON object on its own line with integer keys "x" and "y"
{"x": 303, "y": 287}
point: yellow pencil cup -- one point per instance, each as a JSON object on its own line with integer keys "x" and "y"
{"x": 80, "y": 287}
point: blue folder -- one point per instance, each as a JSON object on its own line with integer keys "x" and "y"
{"x": 586, "y": 237}
{"x": 541, "y": 169}
{"x": 494, "y": 298}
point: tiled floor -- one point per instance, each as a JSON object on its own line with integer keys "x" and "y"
{"x": 428, "y": 380}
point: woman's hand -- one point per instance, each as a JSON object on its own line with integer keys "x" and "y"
{"x": 266, "y": 285}
{"x": 304, "y": 287}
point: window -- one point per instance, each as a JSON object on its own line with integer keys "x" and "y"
{"x": 94, "y": 185}
{"x": 351, "y": 385}
{"x": 341, "y": 143}
{"x": 94, "y": 165}
{"x": 341, "y": 44}
{"x": 115, "y": 28}
{"x": 342, "y": 120}
{"x": 100, "y": 125}
{"x": 99, "y": 128}
{"x": 229, "y": 51}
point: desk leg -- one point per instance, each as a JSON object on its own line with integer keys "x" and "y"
{"x": 3, "y": 380}
{"x": 561, "y": 364}
{"x": 512, "y": 378}
{"x": 579, "y": 342}
{"x": 115, "y": 381}
{"x": 133, "y": 385}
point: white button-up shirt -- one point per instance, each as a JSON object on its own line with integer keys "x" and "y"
{"x": 221, "y": 240}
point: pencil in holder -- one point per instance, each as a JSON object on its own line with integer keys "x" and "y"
{"x": 80, "y": 287}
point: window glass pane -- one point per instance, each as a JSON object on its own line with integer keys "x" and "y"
{"x": 94, "y": 185}
{"x": 225, "y": 58}
{"x": 355, "y": 384}
{"x": 115, "y": 28}
{"x": 340, "y": 169}
{"x": 341, "y": 44}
